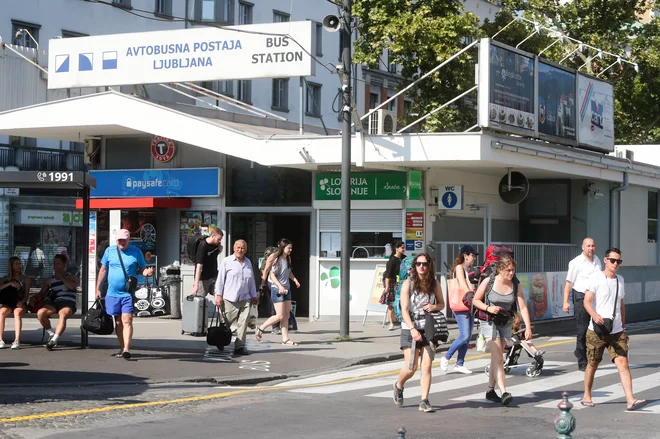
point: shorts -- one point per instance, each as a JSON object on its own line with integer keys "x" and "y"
{"x": 10, "y": 303}
{"x": 118, "y": 305}
{"x": 206, "y": 286}
{"x": 274, "y": 291}
{"x": 61, "y": 304}
{"x": 406, "y": 340}
{"x": 492, "y": 332}
{"x": 616, "y": 344}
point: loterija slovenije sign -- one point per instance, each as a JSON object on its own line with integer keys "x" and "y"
{"x": 364, "y": 186}
{"x": 274, "y": 50}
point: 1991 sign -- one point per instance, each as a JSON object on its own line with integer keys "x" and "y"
{"x": 57, "y": 177}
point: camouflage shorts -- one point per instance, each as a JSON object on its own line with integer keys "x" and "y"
{"x": 616, "y": 344}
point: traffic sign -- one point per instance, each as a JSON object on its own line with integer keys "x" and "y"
{"x": 452, "y": 197}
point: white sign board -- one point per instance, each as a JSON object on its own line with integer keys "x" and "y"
{"x": 49, "y": 217}
{"x": 274, "y": 50}
{"x": 451, "y": 197}
{"x": 595, "y": 113}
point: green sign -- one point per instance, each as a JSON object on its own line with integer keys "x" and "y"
{"x": 364, "y": 186}
{"x": 415, "y": 185}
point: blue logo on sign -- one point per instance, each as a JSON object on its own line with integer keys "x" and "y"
{"x": 110, "y": 60}
{"x": 61, "y": 63}
{"x": 199, "y": 182}
{"x": 449, "y": 200}
{"x": 85, "y": 62}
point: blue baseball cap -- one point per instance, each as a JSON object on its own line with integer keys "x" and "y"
{"x": 468, "y": 250}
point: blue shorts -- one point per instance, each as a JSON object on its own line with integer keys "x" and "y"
{"x": 118, "y": 305}
{"x": 274, "y": 291}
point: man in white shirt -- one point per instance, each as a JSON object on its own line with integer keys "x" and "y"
{"x": 607, "y": 328}
{"x": 580, "y": 270}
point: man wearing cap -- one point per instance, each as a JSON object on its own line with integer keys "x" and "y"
{"x": 119, "y": 303}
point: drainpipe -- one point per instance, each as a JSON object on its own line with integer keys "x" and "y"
{"x": 615, "y": 231}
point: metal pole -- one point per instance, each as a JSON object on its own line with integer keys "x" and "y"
{"x": 302, "y": 106}
{"x": 344, "y": 309}
{"x": 85, "y": 265}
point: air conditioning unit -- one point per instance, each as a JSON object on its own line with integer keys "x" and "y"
{"x": 623, "y": 153}
{"x": 382, "y": 122}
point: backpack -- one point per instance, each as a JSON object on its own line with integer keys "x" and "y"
{"x": 262, "y": 261}
{"x": 193, "y": 245}
{"x": 404, "y": 274}
{"x": 493, "y": 254}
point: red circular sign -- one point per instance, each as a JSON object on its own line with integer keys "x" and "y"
{"x": 162, "y": 149}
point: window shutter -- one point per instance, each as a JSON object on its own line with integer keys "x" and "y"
{"x": 365, "y": 220}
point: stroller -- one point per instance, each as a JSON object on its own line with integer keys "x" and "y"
{"x": 512, "y": 354}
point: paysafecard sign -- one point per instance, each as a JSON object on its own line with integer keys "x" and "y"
{"x": 157, "y": 183}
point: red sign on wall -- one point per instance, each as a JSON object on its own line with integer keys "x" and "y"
{"x": 162, "y": 149}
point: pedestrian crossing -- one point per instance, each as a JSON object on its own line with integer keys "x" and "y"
{"x": 541, "y": 392}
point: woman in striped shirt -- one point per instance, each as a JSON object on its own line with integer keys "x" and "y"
{"x": 61, "y": 299}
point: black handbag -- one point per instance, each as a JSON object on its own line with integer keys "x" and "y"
{"x": 608, "y": 324}
{"x": 97, "y": 320}
{"x": 219, "y": 333}
{"x": 131, "y": 282}
{"x": 435, "y": 327}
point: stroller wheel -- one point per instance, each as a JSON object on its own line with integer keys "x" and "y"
{"x": 487, "y": 370}
{"x": 507, "y": 369}
{"x": 538, "y": 372}
{"x": 530, "y": 372}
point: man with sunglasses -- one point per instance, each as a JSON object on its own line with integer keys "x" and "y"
{"x": 604, "y": 303}
{"x": 580, "y": 270}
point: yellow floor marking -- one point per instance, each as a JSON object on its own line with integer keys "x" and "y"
{"x": 245, "y": 391}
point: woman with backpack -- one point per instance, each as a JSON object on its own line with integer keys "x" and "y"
{"x": 497, "y": 296}
{"x": 464, "y": 319}
{"x": 421, "y": 293}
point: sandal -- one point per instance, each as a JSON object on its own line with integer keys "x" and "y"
{"x": 587, "y": 404}
{"x": 638, "y": 404}
{"x": 288, "y": 342}
{"x": 119, "y": 354}
{"x": 259, "y": 333}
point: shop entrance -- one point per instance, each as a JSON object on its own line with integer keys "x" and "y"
{"x": 263, "y": 230}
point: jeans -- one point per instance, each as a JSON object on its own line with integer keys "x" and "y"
{"x": 465, "y": 323}
{"x": 582, "y": 319}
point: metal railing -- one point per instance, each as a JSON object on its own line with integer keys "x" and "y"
{"x": 530, "y": 257}
{"x": 33, "y": 159}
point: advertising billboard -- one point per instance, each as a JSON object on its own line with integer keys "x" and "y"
{"x": 509, "y": 97}
{"x": 272, "y": 50}
{"x": 556, "y": 113}
{"x": 596, "y": 113}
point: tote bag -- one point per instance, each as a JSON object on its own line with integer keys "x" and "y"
{"x": 455, "y": 294}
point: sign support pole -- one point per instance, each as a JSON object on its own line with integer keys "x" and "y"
{"x": 85, "y": 266}
{"x": 344, "y": 309}
{"x": 302, "y": 106}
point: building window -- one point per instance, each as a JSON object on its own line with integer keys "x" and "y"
{"x": 319, "y": 39}
{"x": 244, "y": 13}
{"x": 72, "y": 34}
{"x": 374, "y": 100}
{"x": 391, "y": 105}
{"x": 19, "y": 34}
{"x": 217, "y": 11}
{"x": 653, "y": 217}
{"x": 280, "y": 17}
{"x": 281, "y": 94}
{"x": 163, "y": 7}
{"x": 122, "y": 3}
{"x": 391, "y": 64}
{"x": 244, "y": 91}
{"x": 225, "y": 87}
{"x": 313, "y": 100}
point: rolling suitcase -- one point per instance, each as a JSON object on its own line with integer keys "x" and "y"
{"x": 194, "y": 319}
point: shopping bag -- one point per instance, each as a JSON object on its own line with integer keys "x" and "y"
{"x": 455, "y": 294}
{"x": 481, "y": 343}
{"x": 252, "y": 317}
{"x": 293, "y": 325}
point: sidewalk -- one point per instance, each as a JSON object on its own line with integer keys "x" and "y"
{"x": 162, "y": 354}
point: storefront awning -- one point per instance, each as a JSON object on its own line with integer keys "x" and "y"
{"x": 136, "y": 203}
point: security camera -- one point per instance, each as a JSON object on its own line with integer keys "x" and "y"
{"x": 331, "y": 23}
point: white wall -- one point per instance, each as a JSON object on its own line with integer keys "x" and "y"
{"x": 481, "y": 8}
{"x": 634, "y": 216}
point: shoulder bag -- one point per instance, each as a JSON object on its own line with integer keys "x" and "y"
{"x": 131, "y": 282}
{"x": 456, "y": 294}
{"x": 435, "y": 327}
{"x": 219, "y": 333}
{"x": 608, "y": 324}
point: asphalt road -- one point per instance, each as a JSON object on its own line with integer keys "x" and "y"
{"x": 357, "y": 403}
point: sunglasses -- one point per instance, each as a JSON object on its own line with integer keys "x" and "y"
{"x": 423, "y": 264}
{"x": 615, "y": 261}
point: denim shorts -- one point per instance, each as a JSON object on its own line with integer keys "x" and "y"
{"x": 118, "y": 305}
{"x": 274, "y": 291}
{"x": 491, "y": 332}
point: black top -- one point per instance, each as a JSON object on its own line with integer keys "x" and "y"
{"x": 393, "y": 268}
{"x": 207, "y": 255}
{"x": 11, "y": 295}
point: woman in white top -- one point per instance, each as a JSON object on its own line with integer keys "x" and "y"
{"x": 420, "y": 294}
{"x": 464, "y": 319}
{"x": 280, "y": 290}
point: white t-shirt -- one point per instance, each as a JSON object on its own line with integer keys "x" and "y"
{"x": 604, "y": 290}
{"x": 580, "y": 270}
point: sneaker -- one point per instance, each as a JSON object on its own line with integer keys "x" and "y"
{"x": 398, "y": 395}
{"x": 462, "y": 369}
{"x": 426, "y": 407}
{"x": 506, "y": 398}
{"x": 444, "y": 364}
{"x": 492, "y": 396}
{"x": 391, "y": 327}
{"x": 51, "y": 344}
{"x": 2, "y": 344}
{"x": 276, "y": 331}
{"x": 126, "y": 355}
{"x": 15, "y": 345}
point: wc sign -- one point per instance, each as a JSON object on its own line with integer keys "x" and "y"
{"x": 451, "y": 197}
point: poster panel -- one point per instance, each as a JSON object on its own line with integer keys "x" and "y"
{"x": 556, "y": 103}
{"x": 596, "y": 113}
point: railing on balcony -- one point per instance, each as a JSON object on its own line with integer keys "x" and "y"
{"x": 530, "y": 257}
{"x": 33, "y": 159}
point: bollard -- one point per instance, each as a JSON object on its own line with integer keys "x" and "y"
{"x": 401, "y": 433}
{"x": 564, "y": 421}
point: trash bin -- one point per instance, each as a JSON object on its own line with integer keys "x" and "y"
{"x": 170, "y": 277}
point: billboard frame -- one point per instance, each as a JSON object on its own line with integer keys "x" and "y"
{"x": 551, "y": 137}
{"x": 577, "y": 91}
